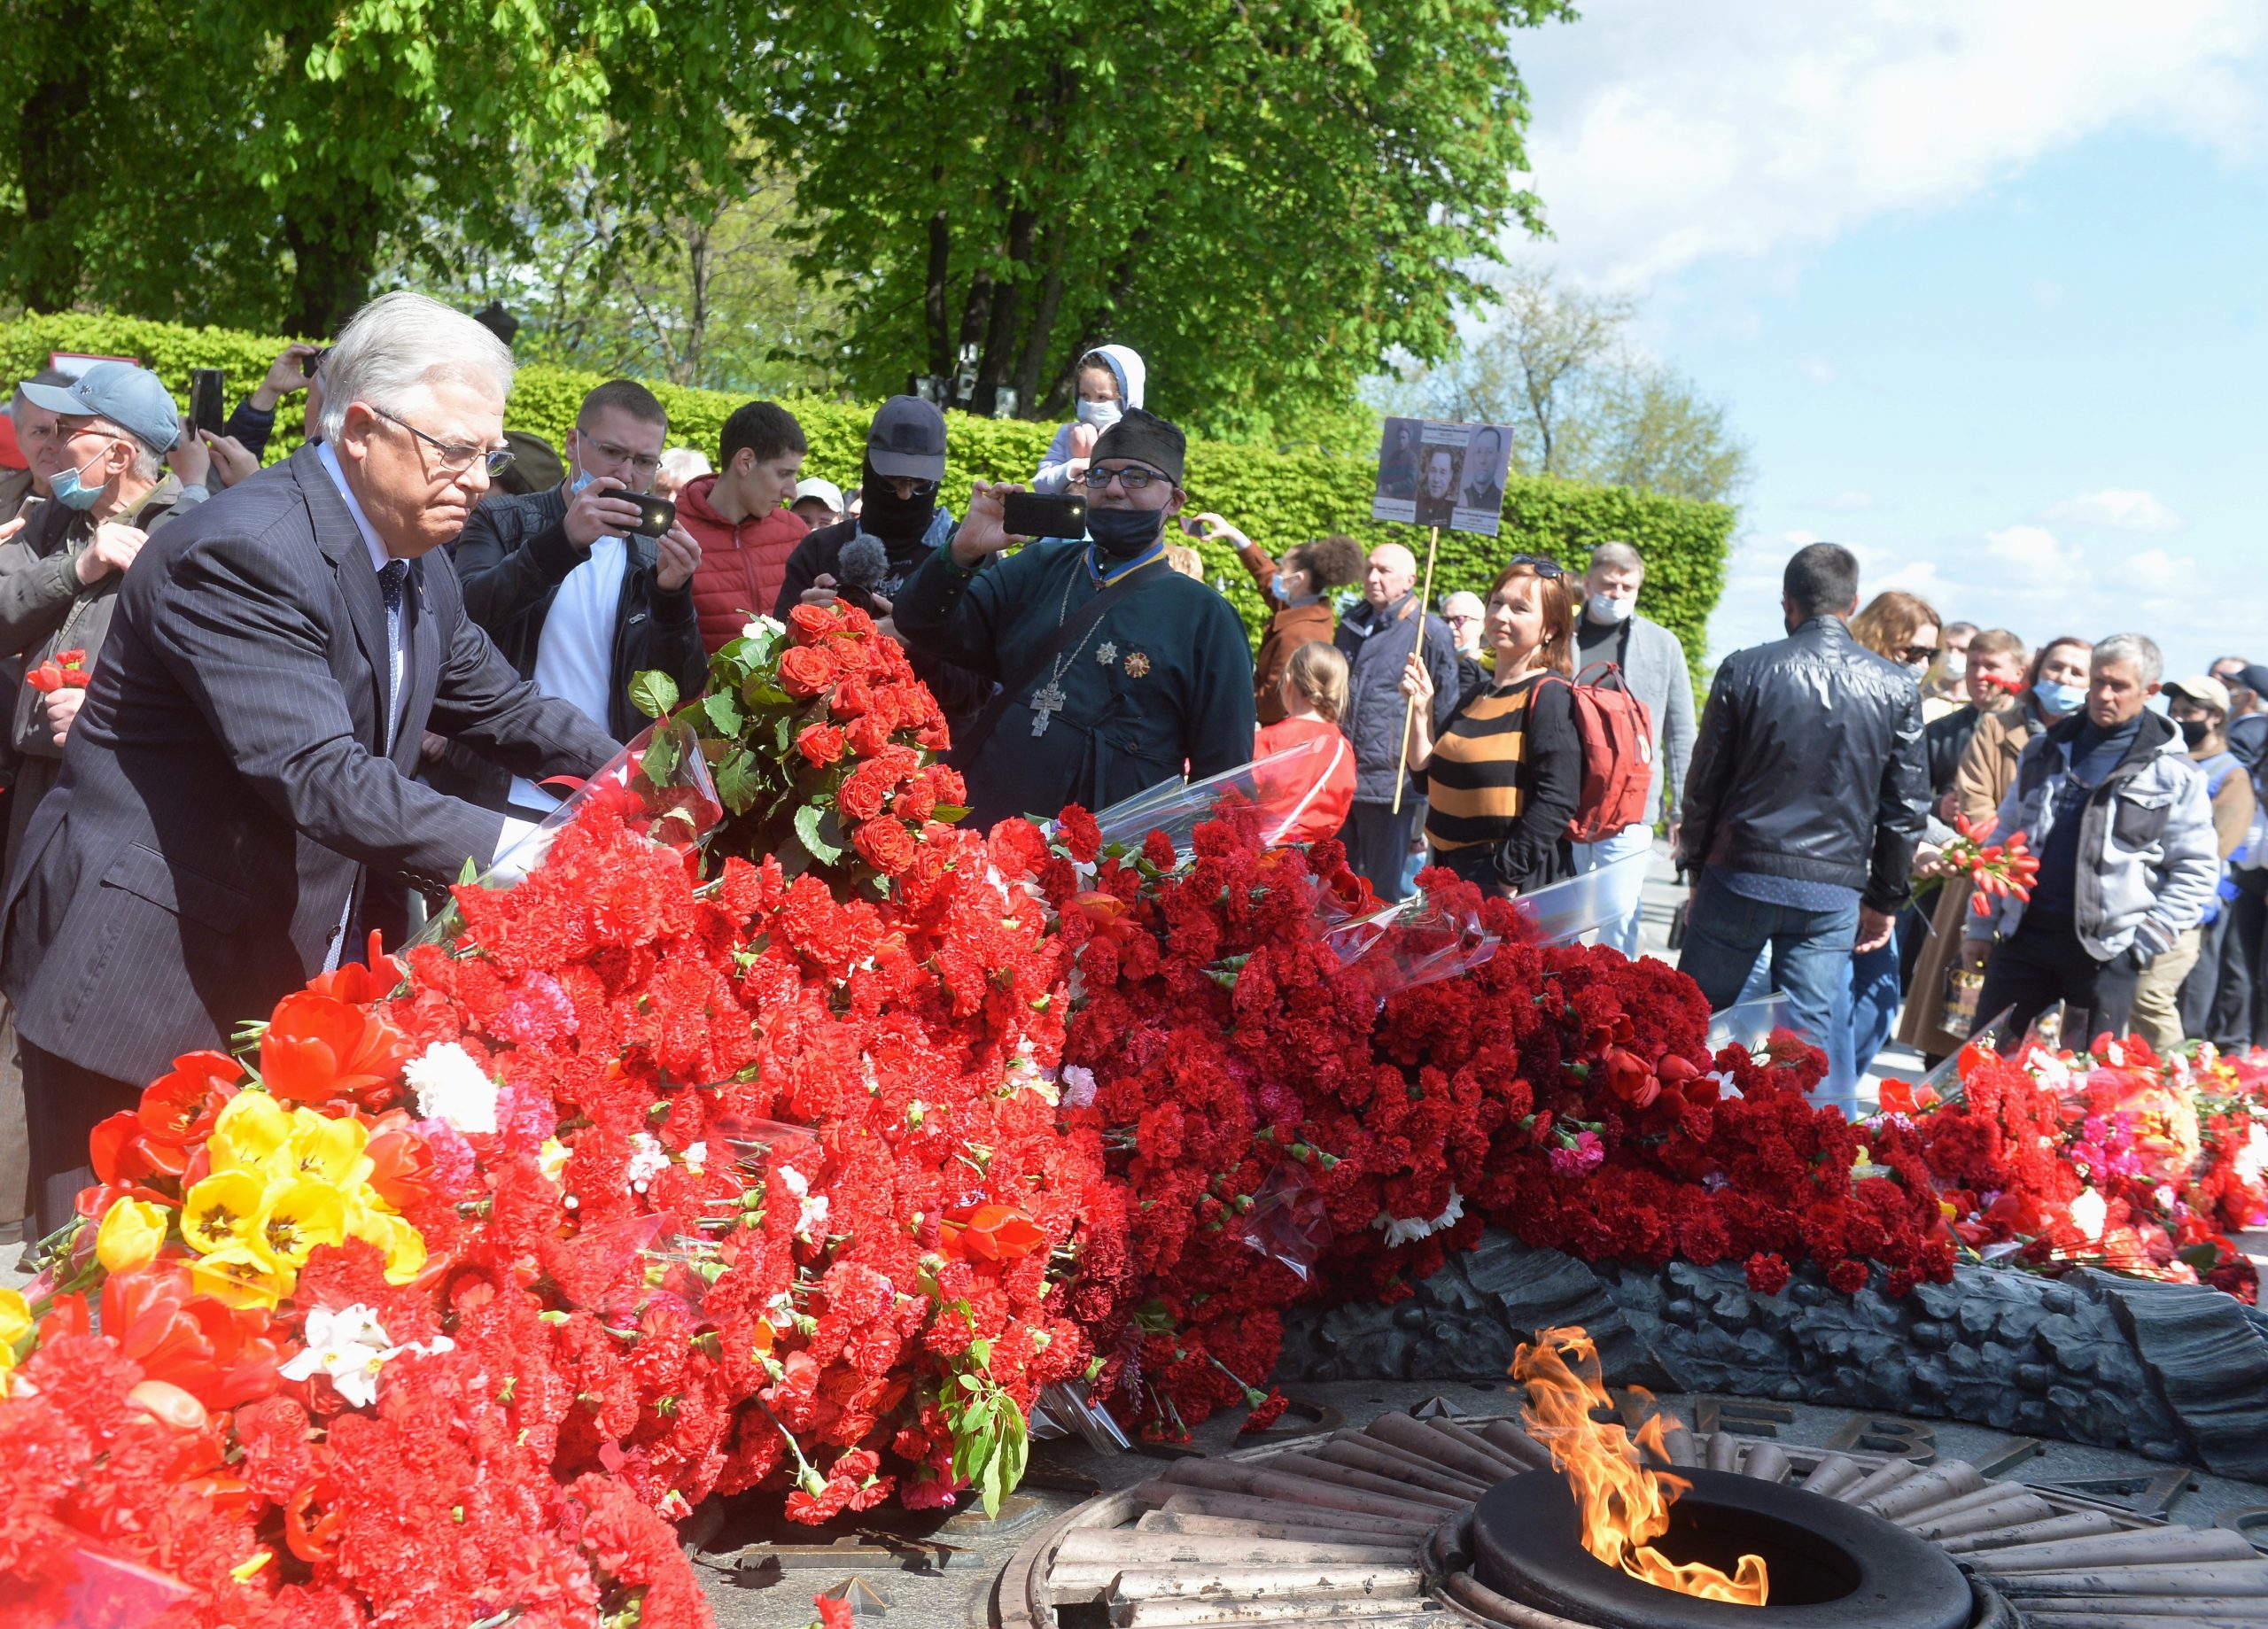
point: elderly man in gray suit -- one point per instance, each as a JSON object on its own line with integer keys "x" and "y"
{"x": 236, "y": 808}
{"x": 1653, "y": 668}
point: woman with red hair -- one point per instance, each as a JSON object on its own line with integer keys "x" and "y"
{"x": 1505, "y": 774}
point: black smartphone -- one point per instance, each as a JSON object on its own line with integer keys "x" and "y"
{"x": 312, "y": 360}
{"x": 207, "y": 411}
{"x": 656, "y": 515}
{"x": 1036, "y": 515}
{"x": 1194, "y": 527}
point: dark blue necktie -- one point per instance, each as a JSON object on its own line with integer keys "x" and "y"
{"x": 392, "y": 582}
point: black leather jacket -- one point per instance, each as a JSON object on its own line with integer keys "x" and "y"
{"x": 1810, "y": 764}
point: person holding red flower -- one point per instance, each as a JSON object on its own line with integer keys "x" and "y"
{"x": 1505, "y": 774}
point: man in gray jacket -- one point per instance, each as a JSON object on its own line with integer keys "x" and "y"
{"x": 1654, "y": 671}
{"x": 2121, "y": 821}
{"x": 1377, "y": 638}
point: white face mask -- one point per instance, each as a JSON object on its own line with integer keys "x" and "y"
{"x": 1956, "y": 664}
{"x": 1099, "y": 414}
{"x": 1606, "y": 607}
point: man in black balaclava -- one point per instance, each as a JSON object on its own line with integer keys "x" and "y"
{"x": 1117, "y": 673}
{"x": 866, "y": 561}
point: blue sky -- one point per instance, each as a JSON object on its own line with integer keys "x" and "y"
{"x": 1985, "y": 288}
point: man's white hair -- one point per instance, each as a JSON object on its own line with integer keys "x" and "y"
{"x": 2139, "y": 649}
{"x": 1463, "y": 597}
{"x": 400, "y": 345}
{"x": 1618, "y": 557}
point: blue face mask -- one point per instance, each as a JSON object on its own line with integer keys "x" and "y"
{"x": 2060, "y": 699}
{"x": 67, "y": 490}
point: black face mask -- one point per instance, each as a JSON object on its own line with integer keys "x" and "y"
{"x": 1124, "y": 533}
{"x": 2194, "y": 731}
{"x": 894, "y": 518}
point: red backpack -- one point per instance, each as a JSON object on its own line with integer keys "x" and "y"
{"x": 1617, "y": 736}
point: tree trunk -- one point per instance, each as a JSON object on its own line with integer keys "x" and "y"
{"x": 49, "y": 152}
{"x": 334, "y": 251}
{"x": 1034, "y": 361}
{"x": 933, "y": 294}
{"x": 696, "y": 320}
{"x": 1007, "y": 307}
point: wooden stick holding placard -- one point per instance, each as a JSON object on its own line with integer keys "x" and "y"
{"x": 1410, "y": 710}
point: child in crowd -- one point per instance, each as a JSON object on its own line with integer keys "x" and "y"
{"x": 1311, "y": 800}
{"x": 1109, "y": 381}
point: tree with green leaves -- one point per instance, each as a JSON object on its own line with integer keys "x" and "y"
{"x": 251, "y": 162}
{"x": 1264, "y": 199}
{"x": 1558, "y": 366}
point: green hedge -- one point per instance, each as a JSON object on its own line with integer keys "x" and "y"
{"x": 1277, "y": 497}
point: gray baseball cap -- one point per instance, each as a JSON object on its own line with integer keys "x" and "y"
{"x": 134, "y": 398}
{"x": 908, "y": 438}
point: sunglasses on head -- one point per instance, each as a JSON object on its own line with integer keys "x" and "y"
{"x": 1551, "y": 568}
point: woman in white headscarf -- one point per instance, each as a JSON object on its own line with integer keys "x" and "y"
{"x": 1109, "y": 383}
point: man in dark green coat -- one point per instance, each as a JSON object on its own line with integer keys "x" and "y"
{"x": 1094, "y": 708}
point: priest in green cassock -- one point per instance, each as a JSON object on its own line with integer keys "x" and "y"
{"x": 1116, "y": 673}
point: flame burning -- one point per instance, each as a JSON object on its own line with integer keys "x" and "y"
{"x": 1624, "y": 1505}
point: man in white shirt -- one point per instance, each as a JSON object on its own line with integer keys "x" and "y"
{"x": 576, "y": 598}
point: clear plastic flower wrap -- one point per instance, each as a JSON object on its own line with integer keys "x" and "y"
{"x": 113, "y": 1593}
{"x": 660, "y": 780}
{"x": 1565, "y": 912}
{"x": 1065, "y": 1409}
{"x": 1288, "y": 1221}
{"x": 1423, "y": 939}
{"x": 1282, "y": 786}
{"x": 1750, "y": 1023}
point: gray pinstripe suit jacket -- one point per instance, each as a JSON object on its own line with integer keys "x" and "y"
{"x": 224, "y": 788}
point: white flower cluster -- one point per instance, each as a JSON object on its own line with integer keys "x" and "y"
{"x": 1402, "y": 1230}
{"x": 351, "y": 1346}
{"x": 451, "y": 1086}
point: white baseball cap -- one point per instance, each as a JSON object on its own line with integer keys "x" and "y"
{"x": 825, "y": 491}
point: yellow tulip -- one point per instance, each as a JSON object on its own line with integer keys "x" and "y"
{"x": 402, "y": 1246}
{"x": 329, "y": 1151}
{"x": 253, "y": 1132}
{"x": 220, "y": 1211}
{"x": 133, "y": 1232}
{"x": 235, "y": 1277}
{"x": 15, "y": 1320}
{"x": 294, "y": 1217}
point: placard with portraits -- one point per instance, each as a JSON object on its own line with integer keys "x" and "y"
{"x": 1450, "y": 476}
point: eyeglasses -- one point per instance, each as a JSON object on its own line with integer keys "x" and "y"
{"x": 1920, "y": 655}
{"x": 1551, "y": 568}
{"x": 907, "y": 487}
{"x": 457, "y": 457}
{"x": 645, "y": 463}
{"x": 1134, "y": 478}
{"x": 1457, "y": 619}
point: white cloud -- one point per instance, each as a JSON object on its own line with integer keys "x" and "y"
{"x": 1668, "y": 133}
{"x": 2032, "y": 550}
{"x": 2122, "y": 508}
{"x": 1818, "y": 369}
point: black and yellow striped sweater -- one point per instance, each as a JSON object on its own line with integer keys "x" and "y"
{"x": 1506, "y": 777}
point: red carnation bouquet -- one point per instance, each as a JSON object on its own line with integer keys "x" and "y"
{"x": 2005, "y": 867}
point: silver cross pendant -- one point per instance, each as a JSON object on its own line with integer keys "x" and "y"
{"x": 1046, "y": 701}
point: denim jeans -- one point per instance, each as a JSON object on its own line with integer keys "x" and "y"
{"x": 1866, "y": 1010}
{"x": 1622, "y": 932}
{"x": 1811, "y": 951}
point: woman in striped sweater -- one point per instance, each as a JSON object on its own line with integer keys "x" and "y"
{"x": 1505, "y": 774}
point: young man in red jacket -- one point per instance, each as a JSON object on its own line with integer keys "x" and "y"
{"x": 738, "y": 515}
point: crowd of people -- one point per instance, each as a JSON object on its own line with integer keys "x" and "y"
{"x": 261, "y": 713}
